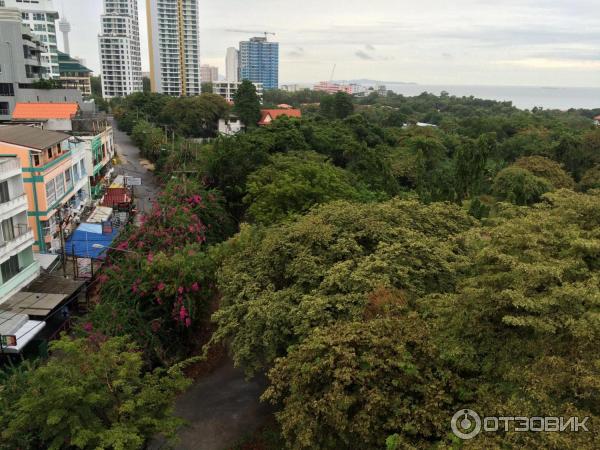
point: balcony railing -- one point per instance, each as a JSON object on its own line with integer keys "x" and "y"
{"x": 19, "y": 201}
{"x": 8, "y": 165}
{"x": 23, "y": 234}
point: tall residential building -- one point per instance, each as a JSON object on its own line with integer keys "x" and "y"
{"x": 18, "y": 267}
{"x": 173, "y": 41}
{"x": 259, "y": 62}
{"x": 119, "y": 41}
{"x": 41, "y": 17}
{"x": 74, "y": 75}
{"x": 208, "y": 74}
{"x": 232, "y": 65}
{"x": 20, "y": 59}
{"x": 228, "y": 89}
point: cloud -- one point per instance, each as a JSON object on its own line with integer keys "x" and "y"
{"x": 370, "y": 47}
{"x": 364, "y": 55}
{"x": 551, "y": 64}
{"x": 297, "y": 52}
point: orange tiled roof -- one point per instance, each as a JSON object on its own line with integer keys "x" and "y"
{"x": 38, "y": 111}
{"x": 275, "y": 113}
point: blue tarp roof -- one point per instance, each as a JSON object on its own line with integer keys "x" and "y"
{"x": 82, "y": 242}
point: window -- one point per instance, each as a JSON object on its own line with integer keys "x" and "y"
{"x": 10, "y": 268}
{"x": 4, "y": 194}
{"x": 36, "y": 160}
{"x": 60, "y": 184}
{"x": 8, "y": 230}
{"x": 82, "y": 166}
{"x": 68, "y": 178}
{"x": 3, "y": 108}
{"x": 7, "y": 90}
{"x": 49, "y": 153}
{"x": 50, "y": 192}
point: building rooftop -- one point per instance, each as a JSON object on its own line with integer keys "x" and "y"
{"x": 268, "y": 115}
{"x": 68, "y": 64}
{"x": 30, "y": 137}
{"x": 43, "y": 111}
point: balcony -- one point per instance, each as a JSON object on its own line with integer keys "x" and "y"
{"x": 9, "y": 167}
{"x": 19, "y": 281}
{"x": 22, "y": 239}
{"x": 14, "y": 206}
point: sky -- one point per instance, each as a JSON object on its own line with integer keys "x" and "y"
{"x": 459, "y": 42}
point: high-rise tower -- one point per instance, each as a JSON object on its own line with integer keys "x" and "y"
{"x": 41, "y": 17}
{"x": 119, "y": 42}
{"x": 65, "y": 28}
{"x": 173, "y": 41}
{"x": 232, "y": 65}
{"x": 259, "y": 62}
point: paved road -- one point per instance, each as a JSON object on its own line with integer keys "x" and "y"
{"x": 130, "y": 165}
{"x": 221, "y": 408}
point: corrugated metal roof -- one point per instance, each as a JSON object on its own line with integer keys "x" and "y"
{"x": 30, "y": 137}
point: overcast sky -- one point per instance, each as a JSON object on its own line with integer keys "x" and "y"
{"x": 490, "y": 42}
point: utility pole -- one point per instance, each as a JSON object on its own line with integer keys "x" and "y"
{"x": 62, "y": 242}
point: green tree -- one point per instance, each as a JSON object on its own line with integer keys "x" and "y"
{"x": 471, "y": 159}
{"x": 590, "y": 179}
{"x": 293, "y": 183}
{"x": 247, "y": 104}
{"x": 519, "y": 186}
{"x": 279, "y": 283}
{"x": 337, "y": 106}
{"x": 92, "y": 393}
{"x": 195, "y": 116}
{"x": 352, "y": 384}
{"x": 548, "y": 169}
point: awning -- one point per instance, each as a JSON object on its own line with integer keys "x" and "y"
{"x": 100, "y": 214}
{"x": 81, "y": 243}
{"x": 45, "y": 259}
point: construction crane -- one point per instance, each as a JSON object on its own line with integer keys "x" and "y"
{"x": 266, "y": 33}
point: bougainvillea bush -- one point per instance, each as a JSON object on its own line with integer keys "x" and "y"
{"x": 157, "y": 286}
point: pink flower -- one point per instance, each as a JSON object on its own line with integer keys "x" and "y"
{"x": 195, "y": 287}
{"x": 102, "y": 278}
{"x": 180, "y": 290}
{"x": 134, "y": 288}
{"x": 160, "y": 286}
{"x": 150, "y": 257}
{"x": 182, "y": 313}
{"x": 188, "y": 322}
{"x": 159, "y": 301}
{"x": 88, "y": 327}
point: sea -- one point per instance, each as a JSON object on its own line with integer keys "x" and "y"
{"x": 523, "y": 97}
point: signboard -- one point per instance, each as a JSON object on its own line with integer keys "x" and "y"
{"x": 133, "y": 181}
{"x": 107, "y": 227}
{"x": 84, "y": 267}
{"x": 8, "y": 341}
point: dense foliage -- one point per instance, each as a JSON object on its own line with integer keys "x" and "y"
{"x": 92, "y": 393}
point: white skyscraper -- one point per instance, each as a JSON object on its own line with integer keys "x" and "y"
{"x": 119, "y": 42}
{"x": 173, "y": 41}
{"x": 41, "y": 17}
{"x": 232, "y": 65}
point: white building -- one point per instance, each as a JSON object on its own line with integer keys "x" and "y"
{"x": 232, "y": 65}
{"x": 41, "y": 17}
{"x": 119, "y": 42}
{"x": 173, "y": 40}
{"x": 209, "y": 74}
{"x": 230, "y": 126}
{"x": 228, "y": 89}
{"x": 18, "y": 267}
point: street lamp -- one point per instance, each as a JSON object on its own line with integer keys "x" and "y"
{"x": 106, "y": 247}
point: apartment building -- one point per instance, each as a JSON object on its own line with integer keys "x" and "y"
{"x": 228, "y": 89}
{"x": 119, "y": 42}
{"x": 232, "y": 65}
{"x": 18, "y": 267}
{"x": 46, "y": 161}
{"x": 259, "y": 62}
{"x": 173, "y": 41}
{"x": 21, "y": 65}
{"x": 209, "y": 74}
{"x": 40, "y": 16}
{"x": 74, "y": 75}
{"x": 91, "y": 130}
